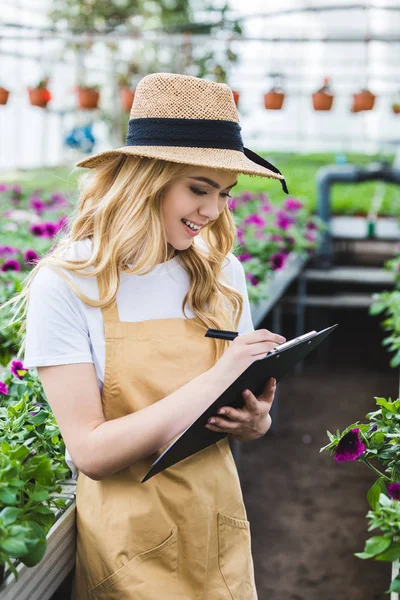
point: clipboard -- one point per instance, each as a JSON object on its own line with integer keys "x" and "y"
{"x": 276, "y": 364}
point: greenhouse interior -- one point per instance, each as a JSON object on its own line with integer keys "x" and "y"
{"x": 294, "y": 109}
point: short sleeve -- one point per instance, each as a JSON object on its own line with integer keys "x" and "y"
{"x": 56, "y": 329}
{"x": 239, "y": 283}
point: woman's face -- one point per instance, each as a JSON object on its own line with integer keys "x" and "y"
{"x": 199, "y": 196}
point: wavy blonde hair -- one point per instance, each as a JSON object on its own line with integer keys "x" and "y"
{"x": 119, "y": 208}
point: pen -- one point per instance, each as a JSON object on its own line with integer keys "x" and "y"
{"x": 222, "y": 334}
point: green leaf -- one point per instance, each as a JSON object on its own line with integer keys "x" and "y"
{"x": 375, "y": 491}
{"x": 391, "y": 554}
{"x": 395, "y": 585}
{"x": 39, "y": 495}
{"x": 10, "y": 514}
{"x": 377, "y": 545}
{"x": 13, "y": 547}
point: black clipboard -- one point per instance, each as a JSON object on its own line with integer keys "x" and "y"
{"x": 276, "y": 364}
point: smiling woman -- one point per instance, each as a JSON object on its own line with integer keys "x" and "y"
{"x": 116, "y": 325}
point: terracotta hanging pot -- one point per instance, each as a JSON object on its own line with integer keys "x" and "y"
{"x": 126, "y": 96}
{"x": 39, "y": 97}
{"x": 88, "y": 98}
{"x": 4, "y": 95}
{"x": 363, "y": 100}
{"x": 323, "y": 98}
{"x": 236, "y": 96}
{"x": 273, "y": 100}
{"x": 396, "y": 109}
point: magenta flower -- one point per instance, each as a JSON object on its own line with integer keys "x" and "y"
{"x": 31, "y": 257}
{"x": 36, "y": 204}
{"x": 50, "y": 229}
{"x": 18, "y": 369}
{"x": 3, "y": 187}
{"x": 254, "y": 220}
{"x": 37, "y": 229}
{"x": 11, "y": 265}
{"x": 350, "y": 447}
{"x": 394, "y": 491}
{"x": 246, "y": 196}
{"x": 266, "y": 208}
{"x": 58, "y": 199}
{"x": 3, "y": 388}
{"x": 62, "y": 224}
{"x": 232, "y": 204}
{"x": 310, "y": 225}
{"x": 5, "y": 250}
{"x": 292, "y": 204}
{"x": 283, "y": 220}
{"x": 278, "y": 260}
{"x": 252, "y": 278}
{"x": 245, "y": 256}
{"x": 240, "y": 234}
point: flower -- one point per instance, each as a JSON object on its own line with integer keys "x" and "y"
{"x": 31, "y": 256}
{"x": 254, "y": 219}
{"x": 252, "y": 278}
{"x": 310, "y": 237}
{"x": 11, "y": 265}
{"x": 275, "y": 237}
{"x": 37, "y": 230}
{"x": 278, "y": 260}
{"x": 4, "y": 250}
{"x": 34, "y": 412}
{"x": 246, "y": 196}
{"x": 50, "y": 229}
{"x": 36, "y": 204}
{"x": 283, "y": 220}
{"x": 350, "y": 447}
{"x": 292, "y": 204}
{"x": 394, "y": 491}
{"x": 311, "y": 225}
{"x": 3, "y": 187}
{"x": 245, "y": 256}
{"x": 18, "y": 369}
{"x": 58, "y": 199}
{"x": 373, "y": 428}
{"x": 232, "y": 204}
{"x": 3, "y": 388}
{"x": 240, "y": 234}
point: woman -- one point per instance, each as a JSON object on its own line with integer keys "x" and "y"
{"x": 116, "y": 325}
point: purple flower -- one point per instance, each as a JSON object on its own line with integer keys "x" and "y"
{"x": 3, "y": 388}
{"x": 275, "y": 237}
{"x": 394, "y": 491}
{"x": 246, "y": 196}
{"x": 36, "y": 204}
{"x": 18, "y": 369}
{"x": 350, "y": 447}
{"x": 11, "y": 265}
{"x": 31, "y": 256}
{"x": 254, "y": 220}
{"x": 232, "y": 204}
{"x": 290, "y": 240}
{"x": 292, "y": 204}
{"x": 3, "y": 187}
{"x": 266, "y": 208}
{"x": 240, "y": 234}
{"x": 37, "y": 229}
{"x": 278, "y": 260}
{"x": 50, "y": 229}
{"x": 310, "y": 225}
{"x": 252, "y": 278}
{"x": 373, "y": 428}
{"x": 4, "y": 250}
{"x": 245, "y": 256}
{"x": 62, "y": 224}
{"x": 58, "y": 199}
{"x": 34, "y": 412}
{"x": 283, "y": 220}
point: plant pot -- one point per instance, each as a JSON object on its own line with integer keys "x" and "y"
{"x": 322, "y": 100}
{"x": 395, "y": 108}
{"x": 126, "y": 96}
{"x": 88, "y": 99}
{"x": 4, "y": 95}
{"x": 364, "y": 100}
{"x": 39, "y": 97}
{"x": 236, "y": 96}
{"x": 273, "y": 100}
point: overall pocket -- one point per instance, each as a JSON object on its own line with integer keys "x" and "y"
{"x": 150, "y": 574}
{"x": 234, "y": 557}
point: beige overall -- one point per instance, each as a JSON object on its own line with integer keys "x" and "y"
{"x": 183, "y": 534}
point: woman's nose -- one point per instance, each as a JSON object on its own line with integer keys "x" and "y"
{"x": 210, "y": 210}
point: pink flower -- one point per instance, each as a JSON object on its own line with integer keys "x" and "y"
{"x": 3, "y": 388}
{"x": 18, "y": 369}
{"x": 11, "y": 265}
{"x": 240, "y": 234}
{"x": 278, "y": 260}
{"x": 245, "y": 256}
{"x": 36, "y": 204}
{"x": 259, "y": 235}
{"x": 310, "y": 225}
{"x": 3, "y": 187}
{"x": 292, "y": 204}
{"x": 50, "y": 229}
{"x": 283, "y": 220}
{"x": 310, "y": 236}
{"x": 246, "y": 196}
{"x": 37, "y": 229}
{"x": 254, "y": 220}
{"x": 6, "y": 250}
{"x": 31, "y": 257}
{"x": 232, "y": 204}
{"x": 252, "y": 278}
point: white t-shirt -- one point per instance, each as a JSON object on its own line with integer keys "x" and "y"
{"x": 61, "y": 329}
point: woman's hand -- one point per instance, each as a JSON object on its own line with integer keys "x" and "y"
{"x": 250, "y": 422}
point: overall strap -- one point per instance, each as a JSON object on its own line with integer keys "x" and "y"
{"x": 110, "y": 314}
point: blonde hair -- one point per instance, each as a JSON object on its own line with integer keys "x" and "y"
{"x": 119, "y": 208}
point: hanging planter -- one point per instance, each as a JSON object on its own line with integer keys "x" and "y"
{"x": 40, "y": 95}
{"x": 274, "y": 99}
{"x": 363, "y": 100}
{"x": 4, "y": 94}
{"x": 236, "y": 96}
{"x": 88, "y": 96}
{"x": 126, "y": 96}
{"x": 323, "y": 98}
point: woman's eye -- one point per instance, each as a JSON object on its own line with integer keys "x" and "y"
{"x": 201, "y": 193}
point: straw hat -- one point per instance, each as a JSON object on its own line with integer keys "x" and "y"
{"x": 188, "y": 120}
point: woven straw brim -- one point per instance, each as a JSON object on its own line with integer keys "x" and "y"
{"x": 215, "y": 158}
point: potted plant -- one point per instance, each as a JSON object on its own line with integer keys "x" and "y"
{"x": 363, "y": 100}
{"x": 221, "y": 76}
{"x": 40, "y": 94}
{"x": 273, "y": 100}
{"x": 127, "y": 87}
{"x": 396, "y": 108}
{"x": 88, "y": 96}
{"x": 323, "y": 98}
{"x": 4, "y": 94}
